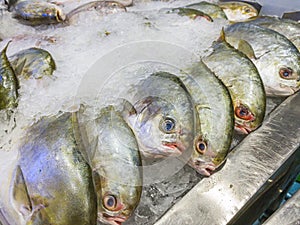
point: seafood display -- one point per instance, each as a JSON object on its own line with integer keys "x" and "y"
{"x": 78, "y": 148}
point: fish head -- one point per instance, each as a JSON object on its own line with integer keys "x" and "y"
{"x": 238, "y": 11}
{"x": 203, "y": 156}
{"x": 282, "y": 76}
{"x": 162, "y": 128}
{"x": 116, "y": 201}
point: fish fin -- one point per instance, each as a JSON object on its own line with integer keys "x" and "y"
{"x": 246, "y": 48}
{"x": 20, "y": 196}
{"x": 80, "y": 134}
{"x": 222, "y": 37}
{"x": 19, "y": 69}
{"x": 126, "y": 108}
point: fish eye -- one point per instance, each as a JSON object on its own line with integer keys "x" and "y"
{"x": 247, "y": 10}
{"x": 243, "y": 112}
{"x": 285, "y": 73}
{"x": 167, "y": 125}
{"x": 110, "y": 202}
{"x": 114, "y": 4}
{"x": 201, "y": 146}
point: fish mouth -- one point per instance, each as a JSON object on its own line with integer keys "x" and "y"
{"x": 202, "y": 167}
{"x": 175, "y": 147}
{"x": 113, "y": 220}
{"x": 243, "y": 128}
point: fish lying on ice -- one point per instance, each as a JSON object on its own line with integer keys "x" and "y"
{"x": 275, "y": 57}
{"x": 117, "y": 168}
{"x": 243, "y": 81}
{"x": 215, "y": 117}
{"x": 52, "y": 182}
{"x": 164, "y": 119}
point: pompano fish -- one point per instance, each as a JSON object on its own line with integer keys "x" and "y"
{"x": 243, "y": 81}
{"x": 276, "y": 58}
{"x": 8, "y": 83}
{"x": 215, "y": 115}
{"x": 286, "y": 27}
{"x": 238, "y": 11}
{"x": 33, "y": 62}
{"x": 192, "y": 13}
{"x": 117, "y": 168}
{"x": 102, "y": 7}
{"x": 38, "y": 13}
{"x": 213, "y": 10}
{"x": 53, "y": 182}
{"x": 164, "y": 119}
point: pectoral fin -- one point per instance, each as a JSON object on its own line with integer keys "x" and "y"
{"x": 20, "y": 196}
{"x": 246, "y": 48}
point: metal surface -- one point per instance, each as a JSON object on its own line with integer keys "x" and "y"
{"x": 288, "y": 214}
{"x": 254, "y": 176}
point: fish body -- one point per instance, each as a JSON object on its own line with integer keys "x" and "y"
{"x": 33, "y": 62}
{"x": 276, "y": 58}
{"x": 38, "y": 13}
{"x": 237, "y": 11}
{"x": 52, "y": 182}
{"x": 164, "y": 119}
{"x": 8, "y": 83}
{"x": 215, "y": 115}
{"x": 243, "y": 81}
{"x": 286, "y": 27}
{"x": 213, "y": 10}
{"x": 102, "y": 7}
{"x": 190, "y": 12}
{"x": 117, "y": 168}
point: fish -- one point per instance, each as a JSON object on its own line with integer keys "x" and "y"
{"x": 102, "y": 7}
{"x": 163, "y": 116}
{"x": 237, "y": 11}
{"x": 215, "y": 118}
{"x": 286, "y": 27}
{"x": 117, "y": 167}
{"x": 243, "y": 81}
{"x": 276, "y": 58}
{"x": 191, "y": 13}
{"x": 8, "y": 83}
{"x": 52, "y": 181}
{"x": 36, "y": 12}
{"x": 33, "y": 62}
{"x": 213, "y": 10}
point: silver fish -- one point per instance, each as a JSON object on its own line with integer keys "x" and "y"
{"x": 243, "y": 81}
{"x": 215, "y": 115}
{"x": 286, "y": 27}
{"x": 276, "y": 58}
{"x": 117, "y": 168}
{"x": 238, "y": 11}
{"x": 102, "y": 7}
{"x": 38, "y": 13}
{"x": 164, "y": 119}
{"x": 8, "y": 83}
{"x": 213, "y": 10}
{"x": 33, "y": 62}
{"x": 53, "y": 182}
